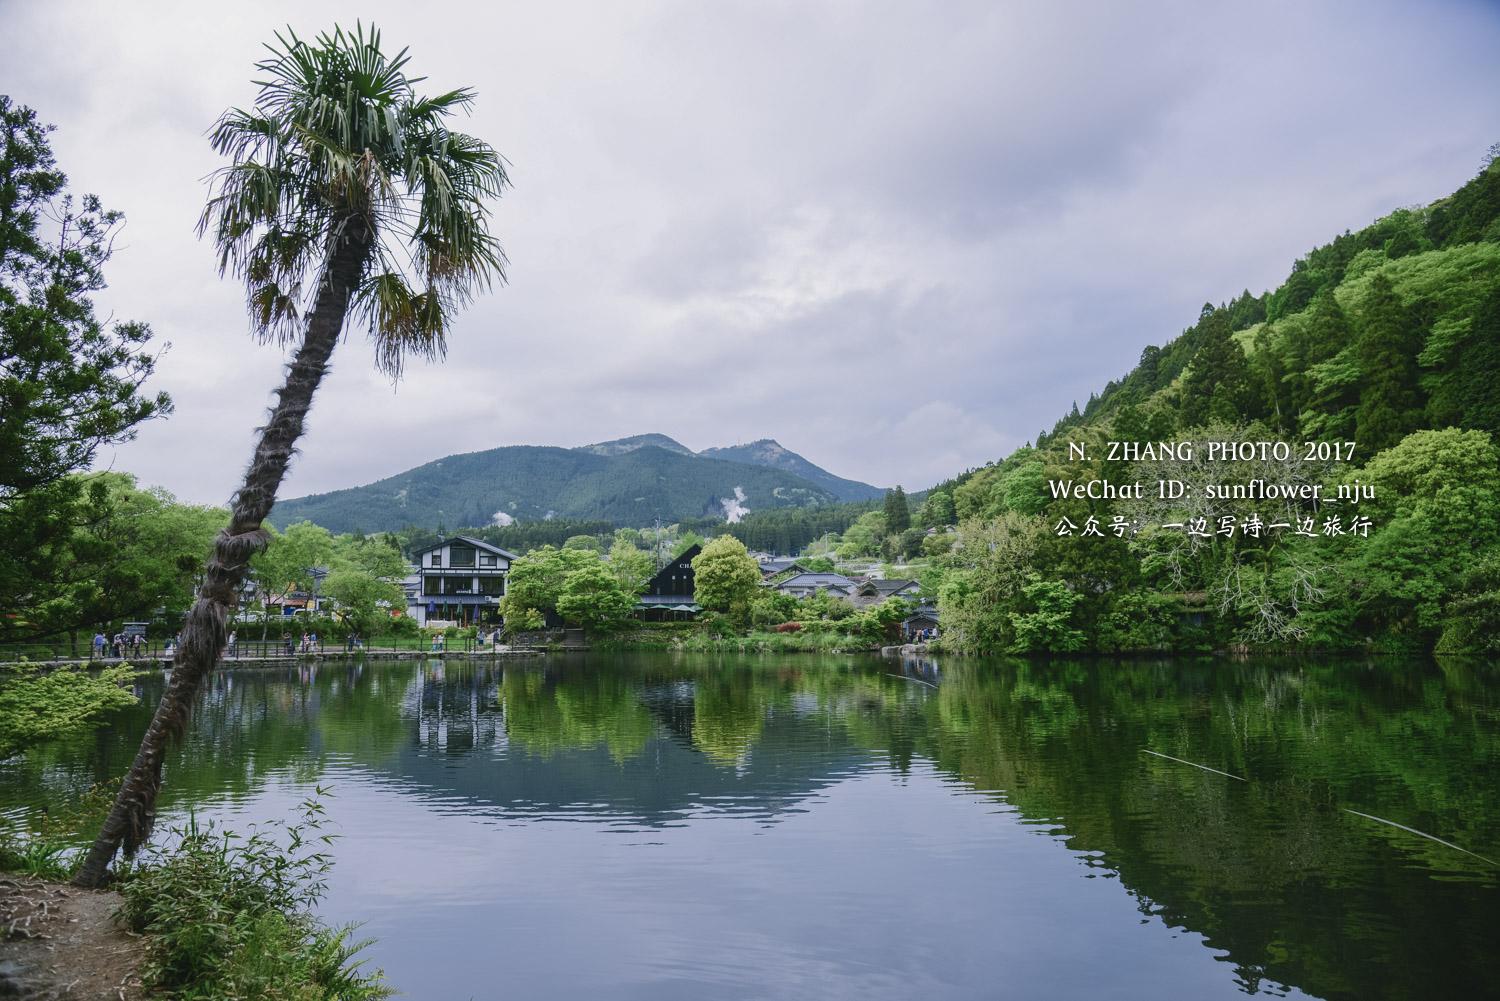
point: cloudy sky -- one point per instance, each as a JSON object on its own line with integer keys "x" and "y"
{"x": 900, "y": 238}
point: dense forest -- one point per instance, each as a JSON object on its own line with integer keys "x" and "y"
{"x": 1387, "y": 338}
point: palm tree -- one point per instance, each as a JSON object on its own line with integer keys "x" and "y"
{"x": 346, "y": 196}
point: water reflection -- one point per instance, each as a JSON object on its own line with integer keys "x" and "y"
{"x": 874, "y": 827}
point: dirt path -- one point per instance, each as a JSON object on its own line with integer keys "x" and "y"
{"x": 60, "y": 942}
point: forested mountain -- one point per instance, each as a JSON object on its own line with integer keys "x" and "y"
{"x": 767, "y": 452}
{"x": 627, "y": 481}
{"x": 634, "y": 487}
{"x": 1385, "y": 341}
{"x": 773, "y": 455}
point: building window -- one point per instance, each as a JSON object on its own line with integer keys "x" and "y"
{"x": 432, "y": 585}
{"x": 435, "y": 558}
{"x": 460, "y": 556}
{"x": 486, "y": 559}
{"x": 492, "y": 585}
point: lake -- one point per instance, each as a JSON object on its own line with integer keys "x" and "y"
{"x": 698, "y": 827}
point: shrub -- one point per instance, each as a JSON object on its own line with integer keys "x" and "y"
{"x": 228, "y": 916}
{"x": 789, "y": 627}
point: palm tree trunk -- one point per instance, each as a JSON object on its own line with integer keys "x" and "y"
{"x": 204, "y": 633}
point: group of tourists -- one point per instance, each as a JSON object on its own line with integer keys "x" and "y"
{"x": 308, "y": 644}
{"x": 119, "y": 646}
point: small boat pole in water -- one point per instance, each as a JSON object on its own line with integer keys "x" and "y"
{"x": 1194, "y": 764}
{"x": 907, "y": 677}
{"x": 1421, "y": 834}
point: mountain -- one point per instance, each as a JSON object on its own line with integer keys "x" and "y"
{"x": 772, "y": 454}
{"x": 613, "y": 481}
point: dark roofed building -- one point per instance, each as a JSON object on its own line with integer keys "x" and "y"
{"x": 774, "y": 565}
{"x": 669, "y": 595}
{"x": 922, "y": 623}
{"x": 875, "y": 590}
{"x": 804, "y": 584}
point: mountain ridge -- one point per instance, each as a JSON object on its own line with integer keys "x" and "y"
{"x": 629, "y": 481}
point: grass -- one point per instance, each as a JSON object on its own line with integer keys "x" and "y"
{"x": 230, "y": 916}
{"x": 222, "y": 915}
{"x": 51, "y": 849}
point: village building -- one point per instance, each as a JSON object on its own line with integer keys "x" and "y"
{"x": 772, "y": 566}
{"x": 669, "y": 595}
{"x": 921, "y": 624}
{"x": 874, "y": 590}
{"x": 803, "y": 584}
{"x": 460, "y": 582}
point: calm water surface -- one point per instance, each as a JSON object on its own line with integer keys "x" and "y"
{"x": 669, "y": 827}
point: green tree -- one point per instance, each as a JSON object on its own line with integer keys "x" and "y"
{"x": 897, "y": 513}
{"x": 726, "y": 577}
{"x": 1467, "y": 392}
{"x": 287, "y": 564}
{"x": 536, "y": 580}
{"x": 38, "y": 705}
{"x": 1219, "y": 386}
{"x": 1390, "y": 401}
{"x": 347, "y": 193}
{"x": 983, "y": 586}
{"x": 591, "y": 597}
{"x": 134, "y": 552}
{"x": 633, "y": 568}
{"x": 1044, "y": 626}
{"x": 69, "y": 383}
{"x": 363, "y": 600}
{"x": 1437, "y": 499}
{"x": 937, "y": 510}
{"x": 364, "y": 581}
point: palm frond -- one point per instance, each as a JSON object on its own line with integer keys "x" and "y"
{"x": 337, "y": 133}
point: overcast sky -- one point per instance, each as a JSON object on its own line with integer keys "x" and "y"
{"x": 900, "y": 238}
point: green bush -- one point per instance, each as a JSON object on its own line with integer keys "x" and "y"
{"x": 230, "y": 916}
{"x": 38, "y": 705}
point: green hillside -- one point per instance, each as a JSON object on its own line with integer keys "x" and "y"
{"x": 1386, "y": 341}
{"x": 529, "y": 483}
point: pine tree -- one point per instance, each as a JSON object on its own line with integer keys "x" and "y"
{"x": 1390, "y": 402}
{"x": 897, "y": 514}
{"x": 1467, "y": 392}
{"x": 1218, "y": 386}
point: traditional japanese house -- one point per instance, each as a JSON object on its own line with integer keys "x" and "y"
{"x": 803, "y": 584}
{"x": 462, "y": 581}
{"x": 875, "y": 590}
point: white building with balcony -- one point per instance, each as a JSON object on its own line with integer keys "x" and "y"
{"x": 459, "y": 581}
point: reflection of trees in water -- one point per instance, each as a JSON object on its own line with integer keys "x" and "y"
{"x": 1271, "y": 870}
{"x": 547, "y": 712}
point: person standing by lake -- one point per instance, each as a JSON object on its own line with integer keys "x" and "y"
{"x": 232, "y": 644}
{"x": 99, "y": 645}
